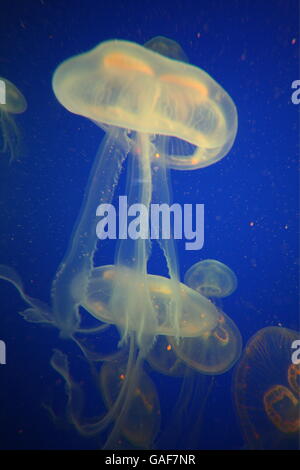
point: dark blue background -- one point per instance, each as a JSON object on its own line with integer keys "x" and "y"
{"x": 251, "y": 47}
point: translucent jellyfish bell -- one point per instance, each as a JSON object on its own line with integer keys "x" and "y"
{"x": 266, "y": 390}
{"x": 163, "y": 358}
{"x": 167, "y": 47}
{"x": 123, "y": 84}
{"x": 212, "y": 352}
{"x": 211, "y": 278}
{"x": 198, "y": 314}
{"x": 15, "y": 103}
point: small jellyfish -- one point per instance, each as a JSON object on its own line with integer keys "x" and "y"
{"x": 266, "y": 391}
{"x": 167, "y": 47}
{"x": 211, "y": 278}
{"x": 13, "y": 103}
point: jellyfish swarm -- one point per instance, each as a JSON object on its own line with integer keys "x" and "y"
{"x": 266, "y": 390}
{"x": 154, "y": 110}
{"x": 15, "y": 103}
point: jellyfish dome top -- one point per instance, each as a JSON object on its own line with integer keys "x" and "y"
{"x": 211, "y": 278}
{"x": 123, "y": 84}
{"x": 167, "y": 47}
{"x": 14, "y": 103}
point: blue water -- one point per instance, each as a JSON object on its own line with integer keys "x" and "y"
{"x": 251, "y": 197}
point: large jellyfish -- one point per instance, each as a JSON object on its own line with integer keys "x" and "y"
{"x": 266, "y": 390}
{"x": 15, "y": 103}
{"x": 161, "y": 113}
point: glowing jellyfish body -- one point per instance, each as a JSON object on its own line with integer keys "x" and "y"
{"x": 15, "y": 103}
{"x": 211, "y": 278}
{"x": 153, "y": 109}
{"x": 121, "y": 85}
{"x": 266, "y": 391}
{"x": 197, "y": 313}
{"x": 212, "y": 352}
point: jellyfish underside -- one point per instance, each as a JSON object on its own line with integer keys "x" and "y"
{"x": 266, "y": 391}
{"x": 142, "y": 100}
{"x": 9, "y": 131}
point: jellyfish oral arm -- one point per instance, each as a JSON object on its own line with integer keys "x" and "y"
{"x": 78, "y": 260}
{"x": 39, "y": 312}
{"x": 131, "y": 294}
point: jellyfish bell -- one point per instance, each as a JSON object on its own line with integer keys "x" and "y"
{"x": 198, "y": 314}
{"x": 123, "y": 84}
{"x": 294, "y": 378}
{"x": 212, "y": 352}
{"x": 163, "y": 358}
{"x": 14, "y": 103}
{"x": 167, "y": 47}
{"x": 265, "y": 391}
{"x": 211, "y": 278}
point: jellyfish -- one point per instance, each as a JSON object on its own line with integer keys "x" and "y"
{"x": 267, "y": 392}
{"x": 167, "y": 47}
{"x": 14, "y": 103}
{"x": 158, "y": 113}
{"x": 211, "y": 278}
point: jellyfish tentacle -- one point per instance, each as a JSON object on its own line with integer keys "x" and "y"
{"x": 60, "y": 363}
{"x": 132, "y": 379}
{"x": 161, "y": 194}
{"x": 9, "y": 131}
{"x": 39, "y": 312}
{"x": 78, "y": 260}
{"x": 134, "y": 253}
